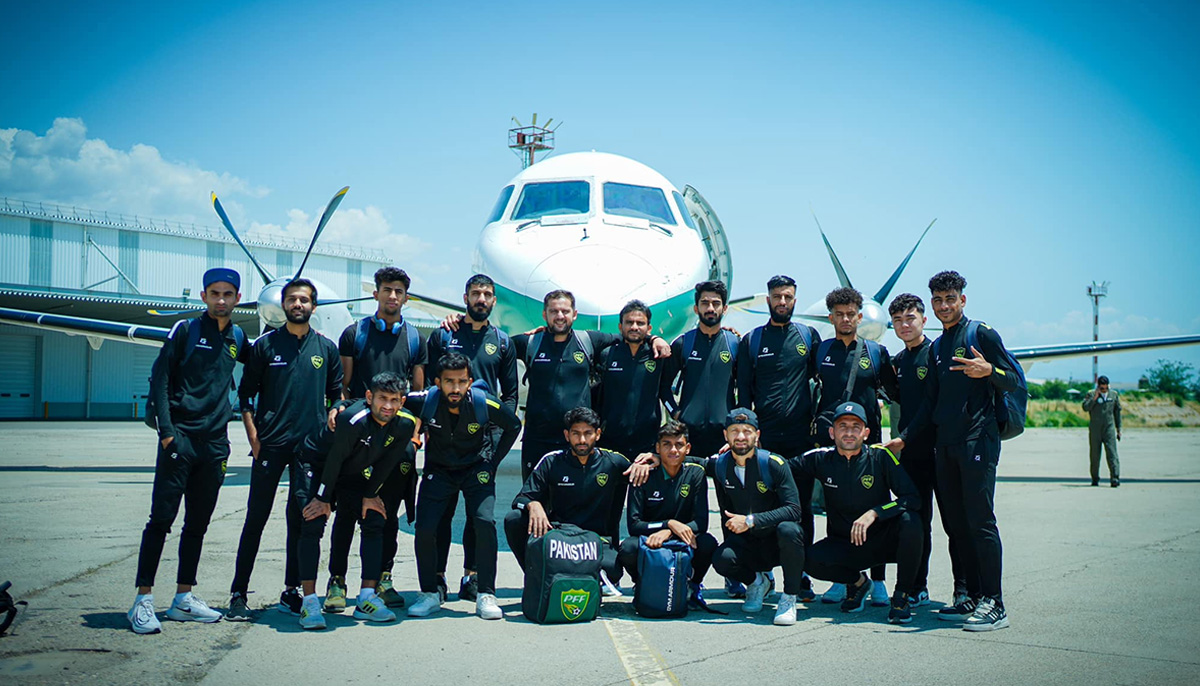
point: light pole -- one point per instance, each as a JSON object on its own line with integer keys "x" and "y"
{"x": 1095, "y": 292}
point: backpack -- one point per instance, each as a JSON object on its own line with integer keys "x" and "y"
{"x": 562, "y": 576}
{"x": 756, "y": 339}
{"x": 764, "y": 466}
{"x": 689, "y": 344}
{"x": 1010, "y": 405}
{"x": 193, "y": 339}
{"x": 584, "y": 341}
{"x": 364, "y": 326}
{"x": 663, "y": 575}
{"x": 478, "y": 402}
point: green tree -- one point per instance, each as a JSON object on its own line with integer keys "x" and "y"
{"x": 1173, "y": 377}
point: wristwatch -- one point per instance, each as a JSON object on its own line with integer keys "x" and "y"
{"x": 750, "y": 521}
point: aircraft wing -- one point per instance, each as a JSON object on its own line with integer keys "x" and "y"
{"x": 1028, "y": 355}
{"x": 96, "y": 330}
{"x": 438, "y": 309}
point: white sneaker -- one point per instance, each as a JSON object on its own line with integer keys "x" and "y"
{"x": 373, "y": 609}
{"x": 835, "y": 594}
{"x": 879, "y": 594}
{"x": 427, "y": 604}
{"x": 192, "y": 609}
{"x": 755, "y": 593}
{"x": 141, "y": 617}
{"x": 607, "y": 588}
{"x": 785, "y": 611}
{"x": 486, "y": 607}
{"x": 310, "y": 614}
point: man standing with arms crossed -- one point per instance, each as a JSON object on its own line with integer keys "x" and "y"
{"x": 383, "y": 342}
{"x": 777, "y": 364}
{"x": 493, "y": 361}
{"x": 190, "y": 386}
{"x": 294, "y": 373}
{"x": 1104, "y": 429}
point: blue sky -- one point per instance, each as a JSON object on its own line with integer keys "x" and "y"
{"x": 1054, "y": 141}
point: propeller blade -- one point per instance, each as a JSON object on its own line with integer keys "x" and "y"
{"x": 266, "y": 276}
{"x": 535, "y": 118}
{"x": 346, "y": 300}
{"x": 837, "y": 264}
{"x": 891, "y": 282}
{"x": 333, "y": 204}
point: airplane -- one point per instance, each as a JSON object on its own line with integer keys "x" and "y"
{"x": 606, "y": 228}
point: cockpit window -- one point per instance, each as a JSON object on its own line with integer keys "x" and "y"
{"x": 642, "y": 202}
{"x": 553, "y": 197}
{"x": 501, "y": 203}
{"x": 683, "y": 211}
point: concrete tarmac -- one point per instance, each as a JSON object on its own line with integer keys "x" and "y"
{"x": 1096, "y": 583}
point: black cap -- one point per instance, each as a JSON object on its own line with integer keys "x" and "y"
{"x": 740, "y": 415}
{"x": 223, "y": 274}
{"x": 852, "y": 409}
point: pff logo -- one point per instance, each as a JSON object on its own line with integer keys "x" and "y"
{"x": 762, "y": 488}
{"x": 802, "y": 349}
{"x": 233, "y": 351}
{"x": 726, "y": 356}
{"x": 602, "y": 479}
{"x": 684, "y": 490}
{"x": 864, "y": 363}
{"x": 317, "y": 361}
{"x": 867, "y": 481}
{"x": 573, "y": 602}
{"x": 473, "y": 428}
{"x": 922, "y": 372}
{"x": 490, "y": 348}
{"x": 651, "y": 365}
{"x": 579, "y": 357}
{"x": 483, "y": 477}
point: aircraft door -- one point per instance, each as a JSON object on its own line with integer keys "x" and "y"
{"x": 716, "y": 242}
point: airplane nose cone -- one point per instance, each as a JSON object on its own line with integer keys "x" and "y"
{"x": 601, "y": 277}
{"x": 874, "y": 322}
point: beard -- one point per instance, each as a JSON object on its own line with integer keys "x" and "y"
{"x": 581, "y": 450}
{"x": 711, "y": 319}
{"x": 299, "y": 318}
{"x": 783, "y": 318}
{"x": 479, "y": 313}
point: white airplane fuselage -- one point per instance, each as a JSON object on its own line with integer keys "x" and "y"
{"x": 604, "y": 227}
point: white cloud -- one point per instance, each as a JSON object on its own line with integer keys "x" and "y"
{"x": 65, "y": 166}
{"x": 1076, "y": 326}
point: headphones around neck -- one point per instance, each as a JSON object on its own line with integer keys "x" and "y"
{"x": 383, "y": 326}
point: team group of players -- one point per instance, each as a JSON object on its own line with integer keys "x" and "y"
{"x": 766, "y": 417}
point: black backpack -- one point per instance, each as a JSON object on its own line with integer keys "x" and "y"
{"x": 663, "y": 575}
{"x": 562, "y": 576}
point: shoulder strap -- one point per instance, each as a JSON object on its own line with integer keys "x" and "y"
{"x": 360, "y": 336}
{"x": 503, "y": 340}
{"x": 973, "y": 335}
{"x": 731, "y": 342}
{"x": 414, "y": 344}
{"x": 531, "y": 351}
{"x": 239, "y": 337}
{"x": 876, "y": 355}
{"x": 479, "y": 402}
{"x": 585, "y": 342}
{"x": 805, "y": 333}
{"x": 755, "y": 341}
{"x": 432, "y": 398}
{"x": 688, "y": 344}
{"x": 193, "y": 339}
{"x": 722, "y": 466}
{"x": 860, "y": 347}
{"x": 823, "y": 349}
{"x": 764, "y": 468}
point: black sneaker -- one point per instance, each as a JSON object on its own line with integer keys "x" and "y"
{"x": 468, "y": 588}
{"x": 238, "y": 610}
{"x": 1095, "y": 482}
{"x": 989, "y": 615}
{"x": 900, "y": 614}
{"x": 1115, "y": 483}
{"x": 443, "y": 589}
{"x": 962, "y": 609}
{"x": 290, "y": 601}
{"x": 856, "y": 596}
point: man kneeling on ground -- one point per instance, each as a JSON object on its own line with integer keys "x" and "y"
{"x": 864, "y": 525}
{"x": 370, "y": 440}
{"x": 672, "y": 504}
{"x": 584, "y": 486}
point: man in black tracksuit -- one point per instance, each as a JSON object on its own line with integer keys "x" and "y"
{"x": 631, "y": 380}
{"x": 383, "y": 342}
{"x": 190, "y": 389}
{"x": 493, "y": 361}
{"x": 776, "y": 363}
{"x": 760, "y": 507}
{"x": 459, "y": 457}
{"x": 865, "y": 527}
{"x": 915, "y": 446}
{"x": 705, "y": 360}
{"x": 962, "y": 397}
{"x": 673, "y": 503}
{"x": 348, "y": 466}
{"x": 294, "y": 373}
{"x": 583, "y": 485}
{"x": 558, "y": 368}
{"x": 840, "y": 357}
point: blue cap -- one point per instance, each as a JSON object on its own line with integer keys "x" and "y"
{"x": 851, "y": 409}
{"x": 222, "y": 274}
{"x": 740, "y": 415}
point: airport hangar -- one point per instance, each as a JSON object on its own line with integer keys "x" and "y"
{"x": 103, "y": 265}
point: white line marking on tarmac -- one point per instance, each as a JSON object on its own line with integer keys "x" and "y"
{"x": 642, "y": 663}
